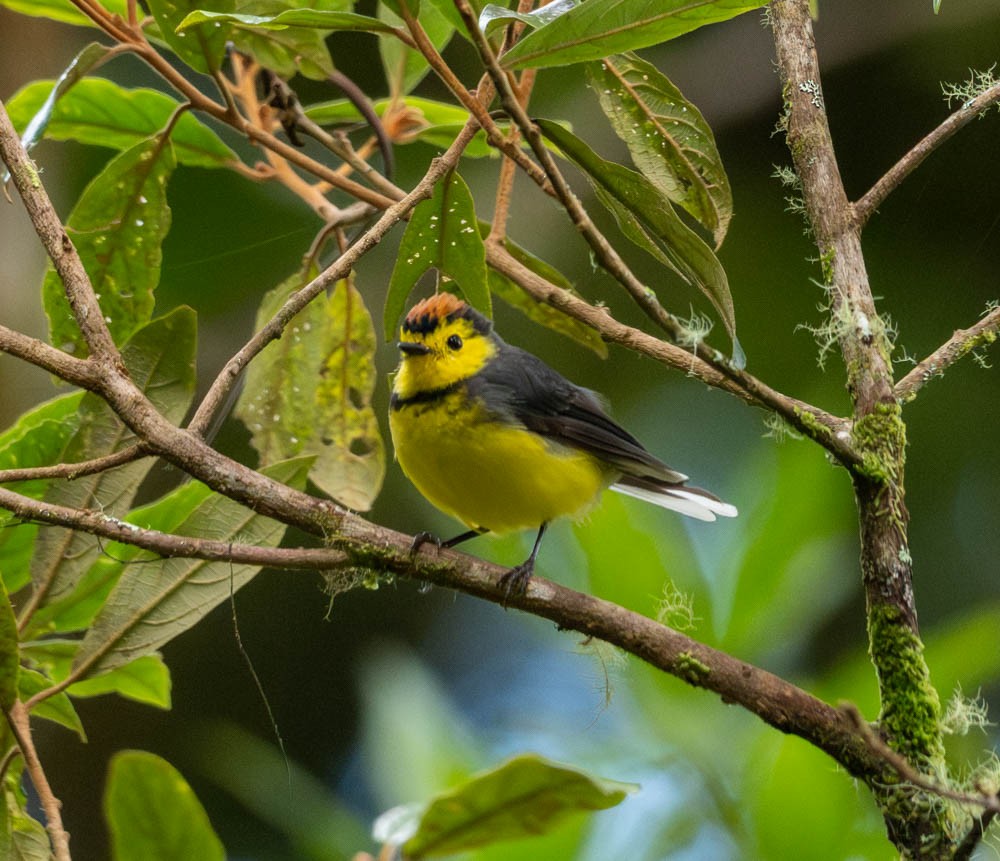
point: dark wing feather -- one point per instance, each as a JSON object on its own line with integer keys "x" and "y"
{"x": 519, "y": 386}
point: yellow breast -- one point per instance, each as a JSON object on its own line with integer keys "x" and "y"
{"x": 489, "y": 475}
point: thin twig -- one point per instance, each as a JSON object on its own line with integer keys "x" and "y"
{"x": 907, "y": 773}
{"x": 75, "y": 470}
{"x": 874, "y": 197}
{"x": 18, "y": 719}
{"x": 959, "y": 345}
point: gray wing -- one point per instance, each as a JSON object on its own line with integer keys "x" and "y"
{"x": 520, "y": 386}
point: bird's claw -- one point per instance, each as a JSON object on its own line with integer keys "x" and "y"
{"x": 515, "y": 582}
{"x": 422, "y": 538}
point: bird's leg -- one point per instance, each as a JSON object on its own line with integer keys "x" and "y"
{"x": 422, "y": 538}
{"x": 515, "y": 581}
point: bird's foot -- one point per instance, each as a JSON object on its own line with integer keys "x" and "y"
{"x": 422, "y": 538}
{"x": 515, "y": 582}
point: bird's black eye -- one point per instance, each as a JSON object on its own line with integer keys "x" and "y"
{"x": 454, "y": 342}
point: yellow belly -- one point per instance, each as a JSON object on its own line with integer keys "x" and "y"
{"x": 491, "y": 476}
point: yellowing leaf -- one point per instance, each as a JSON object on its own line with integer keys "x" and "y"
{"x": 309, "y": 393}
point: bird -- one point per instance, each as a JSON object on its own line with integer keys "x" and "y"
{"x": 493, "y": 436}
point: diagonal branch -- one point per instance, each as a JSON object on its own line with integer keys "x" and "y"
{"x": 959, "y": 345}
{"x": 776, "y": 701}
{"x": 874, "y": 197}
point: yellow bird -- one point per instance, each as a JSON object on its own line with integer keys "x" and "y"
{"x": 493, "y": 436}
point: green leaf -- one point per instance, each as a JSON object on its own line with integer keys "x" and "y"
{"x": 37, "y": 439}
{"x": 57, "y": 708}
{"x": 145, "y": 680}
{"x": 22, "y": 838}
{"x": 320, "y": 19}
{"x": 89, "y": 58}
{"x": 636, "y": 199}
{"x": 309, "y": 393}
{"x": 99, "y": 112}
{"x": 160, "y": 359}
{"x": 153, "y": 814}
{"x": 427, "y": 121}
{"x": 492, "y": 15}
{"x": 118, "y": 226}
{"x": 523, "y": 797}
{"x": 203, "y": 46}
{"x": 158, "y": 600}
{"x": 62, "y": 10}
{"x": 286, "y": 49}
{"x": 405, "y": 68}
{"x": 599, "y": 28}
{"x": 443, "y": 234}
{"x": 667, "y": 137}
{"x": 541, "y": 312}
{"x": 9, "y": 657}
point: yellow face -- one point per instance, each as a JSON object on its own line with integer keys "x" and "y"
{"x": 451, "y": 351}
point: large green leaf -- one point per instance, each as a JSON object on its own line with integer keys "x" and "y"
{"x": 102, "y": 113}
{"x": 443, "y": 234}
{"x": 667, "y": 137}
{"x": 160, "y": 359}
{"x": 118, "y": 226}
{"x": 63, "y": 10}
{"x": 599, "y": 28}
{"x": 201, "y": 46}
{"x": 37, "y": 439}
{"x": 153, "y": 814}
{"x": 160, "y": 599}
{"x": 523, "y": 797}
{"x": 404, "y": 67}
{"x": 635, "y": 197}
{"x": 309, "y": 393}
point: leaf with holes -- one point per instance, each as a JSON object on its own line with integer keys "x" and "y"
{"x": 159, "y": 600}
{"x": 667, "y": 137}
{"x": 118, "y": 226}
{"x": 309, "y": 393}
{"x": 442, "y": 234}
{"x": 102, "y": 113}
{"x": 599, "y": 28}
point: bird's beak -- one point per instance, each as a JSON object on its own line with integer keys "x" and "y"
{"x": 412, "y": 348}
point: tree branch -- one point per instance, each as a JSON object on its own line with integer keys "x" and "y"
{"x": 777, "y": 702}
{"x": 959, "y": 345}
{"x": 18, "y": 720}
{"x": 82, "y": 301}
{"x": 876, "y": 195}
{"x": 910, "y": 708}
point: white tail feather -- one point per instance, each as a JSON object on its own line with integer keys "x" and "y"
{"x": 681, "y": 500}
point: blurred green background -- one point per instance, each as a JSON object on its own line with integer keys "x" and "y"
{"x": 390, "y": 695}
